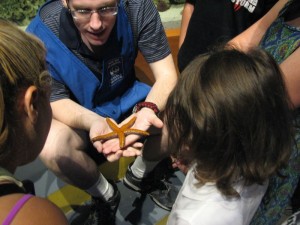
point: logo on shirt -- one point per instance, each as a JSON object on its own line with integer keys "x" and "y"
{"x": 250, "y": 5}
{"x": 114, "y": 68}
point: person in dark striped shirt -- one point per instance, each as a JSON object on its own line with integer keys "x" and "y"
{"x": 91, "y": 50}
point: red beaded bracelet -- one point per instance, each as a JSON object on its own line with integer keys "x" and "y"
{"x": 149, "y": 105}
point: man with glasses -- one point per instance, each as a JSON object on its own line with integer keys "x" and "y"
{"x": 91, "y": 50}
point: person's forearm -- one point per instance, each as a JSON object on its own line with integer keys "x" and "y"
{"x": 73, "y": 114}
{"x": 165, "y": 79}
{"x": 252, "y": 36}
{"x": 187, "y": 12}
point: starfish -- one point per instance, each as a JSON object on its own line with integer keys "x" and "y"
{"x": 120, "y": 132}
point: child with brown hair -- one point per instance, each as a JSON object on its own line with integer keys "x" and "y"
{"x": 229, "y": 117}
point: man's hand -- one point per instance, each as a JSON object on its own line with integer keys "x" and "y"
{"x": 99, "y": 127}
{"x": 130, "y": 151}
{"x": 145, "y": 119}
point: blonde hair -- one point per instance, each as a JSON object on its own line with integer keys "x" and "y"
{"x": 22, "y": 64}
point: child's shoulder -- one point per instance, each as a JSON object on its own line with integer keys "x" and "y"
{"x": 35, "y": 210}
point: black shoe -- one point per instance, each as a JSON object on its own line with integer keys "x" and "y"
{"x": 164, "y": 195}
{"x": 104, "y": 212}
{"x": 136, "y": 184}
{"x": 161, "y": 192}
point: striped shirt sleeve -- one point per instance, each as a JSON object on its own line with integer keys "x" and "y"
{"x": 148, "y": 30}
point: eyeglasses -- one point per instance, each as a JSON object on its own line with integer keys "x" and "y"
{"x": 85, "y": 14}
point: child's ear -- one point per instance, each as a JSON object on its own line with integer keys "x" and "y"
{"x": 30, "y": 103}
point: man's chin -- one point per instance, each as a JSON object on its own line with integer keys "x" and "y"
{"x": 98, "y": 42}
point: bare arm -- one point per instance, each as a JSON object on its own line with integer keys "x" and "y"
{"x": 74, "y": 115}
{"x": 165, "y": 79}
{"x": 35, "y": 211}
{"x": 43, "y": 210}
{"x": 252, "y": 36}
{"x": 292, "y": 76}
{"x": 187, "y": 12}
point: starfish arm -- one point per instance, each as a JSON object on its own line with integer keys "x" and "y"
{"x": 120, "y": 132}
{"x": 105, "y": 136}
{"x": 112, "y": 125}
{"x": 121, "y": 136}
{"x": 128, "y": 124}
{"x": 136, "y": 131}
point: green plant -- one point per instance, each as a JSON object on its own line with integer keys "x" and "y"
{"x": 19, "y": 11}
